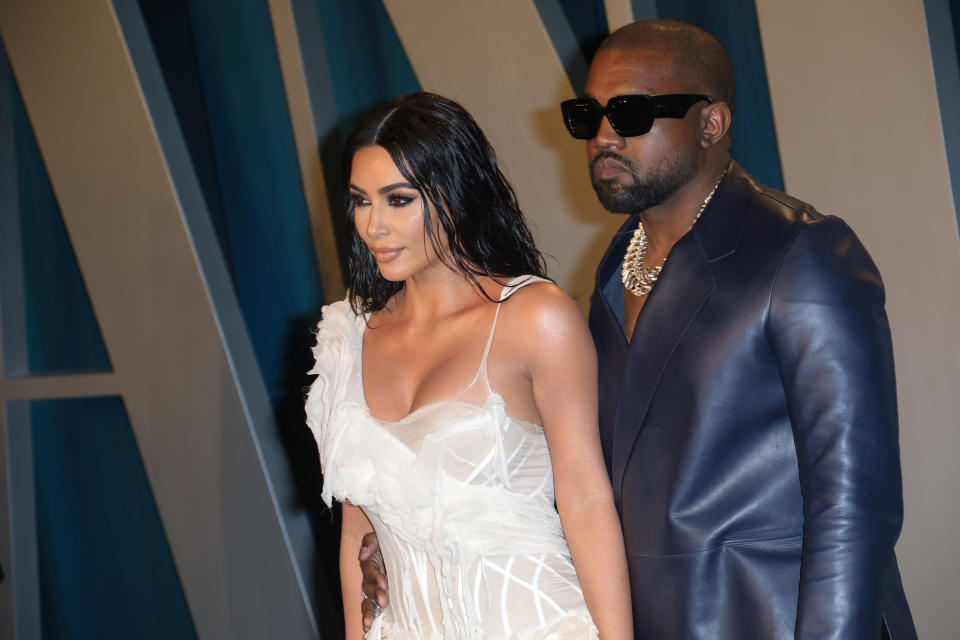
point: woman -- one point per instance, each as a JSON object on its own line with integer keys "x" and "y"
{"x": 434, "y": 378}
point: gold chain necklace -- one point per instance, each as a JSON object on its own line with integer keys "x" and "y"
{"x": 637, "y": 277}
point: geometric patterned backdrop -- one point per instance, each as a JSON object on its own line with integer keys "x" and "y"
{"x": 170, "y": 198}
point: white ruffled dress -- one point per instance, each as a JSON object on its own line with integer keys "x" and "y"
{"x": 461, "y": 498}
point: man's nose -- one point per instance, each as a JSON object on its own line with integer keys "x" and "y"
{"x": 607, "y": 136}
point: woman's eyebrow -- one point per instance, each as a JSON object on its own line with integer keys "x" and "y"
{"x": 395, "y": 185}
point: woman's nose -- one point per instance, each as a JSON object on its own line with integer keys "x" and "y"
{"x": 376, "y": 223}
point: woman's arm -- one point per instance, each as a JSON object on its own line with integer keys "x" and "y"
{"x": 562, "y": 362}
{"x": 353, "y": 527}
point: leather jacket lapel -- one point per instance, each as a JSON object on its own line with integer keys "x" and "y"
{"x": 609, "y": 340}
{"x": 685, "y": 284}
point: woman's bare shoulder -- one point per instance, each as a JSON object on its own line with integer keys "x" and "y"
{"x": 542, "y": 312}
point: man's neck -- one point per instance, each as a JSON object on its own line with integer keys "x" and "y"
{"x": 668, "y": 222}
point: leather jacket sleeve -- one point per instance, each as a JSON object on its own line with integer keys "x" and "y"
{"x": 829, "y": 331}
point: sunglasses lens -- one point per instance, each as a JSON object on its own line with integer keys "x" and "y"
{"x": 582, "y": 118}
{"x": 630, "y": 115}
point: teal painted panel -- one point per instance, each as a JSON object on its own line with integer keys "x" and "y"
{"x": 265, "y": 215}
{"x": 364, "y": 65}
{"x": 221, "y": 69}
{"x": 61, "y": 331}
{"x": 588, "y": 20}
{"x": 947, "y": 93}
{"x": 171, "y": 38}
{"x": 955, "y": 22}
{"x": 366, "y": 59}
{"x": 735, "y": 24}
{"x": 105, "y": 567}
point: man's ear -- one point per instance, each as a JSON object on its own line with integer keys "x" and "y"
{"x": 714, "y": 123}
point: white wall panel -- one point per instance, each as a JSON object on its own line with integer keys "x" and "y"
{"x": 859, "y": 132}
{"x": 161, "y": 293}
{"x": 496, "y": 58}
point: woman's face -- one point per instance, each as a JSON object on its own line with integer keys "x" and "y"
{"x": 388, "y": 216}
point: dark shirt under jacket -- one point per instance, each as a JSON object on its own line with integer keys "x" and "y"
{"x": 750, "y": 428}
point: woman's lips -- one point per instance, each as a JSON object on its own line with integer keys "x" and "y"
{"x": 385, "y": 254}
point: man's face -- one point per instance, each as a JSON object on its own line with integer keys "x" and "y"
{"x": 634, "y": 174}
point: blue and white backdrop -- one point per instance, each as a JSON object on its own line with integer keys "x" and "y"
{"x": 170, "y": 209}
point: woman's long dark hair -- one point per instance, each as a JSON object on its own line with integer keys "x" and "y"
{"x": 441, "y": 151}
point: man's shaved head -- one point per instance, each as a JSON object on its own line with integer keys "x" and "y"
{"x": 699, "y": 56}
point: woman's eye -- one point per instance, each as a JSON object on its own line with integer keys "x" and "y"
{"x": 398, "y": 200}
{"x": 358, "y": 200}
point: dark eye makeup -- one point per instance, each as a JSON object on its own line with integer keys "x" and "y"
{"x": 358, "y": 200}
{"x": 394, "y": 199}
{"x": 399, "y": 199}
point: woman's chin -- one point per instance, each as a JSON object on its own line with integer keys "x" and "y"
{"x": 393, "y": 275}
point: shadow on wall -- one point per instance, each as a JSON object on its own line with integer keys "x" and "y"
{"x": 331, "y": 158}
{"x": 571, "y": 158}
{"x": 301, "y": 450}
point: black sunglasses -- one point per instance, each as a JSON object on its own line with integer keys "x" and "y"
{"x": 630, "y": 115}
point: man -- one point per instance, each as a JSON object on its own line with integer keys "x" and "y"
{"x": 747, "y": 398}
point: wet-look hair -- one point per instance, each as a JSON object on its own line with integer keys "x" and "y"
{"x": 439, "y": 149}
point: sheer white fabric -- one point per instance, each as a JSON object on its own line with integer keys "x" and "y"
{"x": 461, "y": 498}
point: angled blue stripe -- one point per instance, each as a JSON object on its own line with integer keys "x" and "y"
{"x": 575, "y": 29}
{"x": 354, "y": 60}
{"x": 61, "y": 331}
{"x": 943, "y": 27}
{"x": 168, "y": 24}
{"x": 366, "y": 59}
{"x": 735, "y": 24}
{"x": 316, "y": 68}
{"x": 268, "y": 227}
{"x": 234, "y": 323}
{"x": 105, "y": 567}
{"x": 644, "y": 9}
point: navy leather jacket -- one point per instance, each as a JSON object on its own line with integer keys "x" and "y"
{"x": 750, "y": 428}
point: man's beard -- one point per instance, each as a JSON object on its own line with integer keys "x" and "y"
{"x": 659, "y": 183}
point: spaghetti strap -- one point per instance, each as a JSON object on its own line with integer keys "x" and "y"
{"x": 508, "y": 290}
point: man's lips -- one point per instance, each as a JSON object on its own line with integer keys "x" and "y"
{"x": 606, "y": 168}
{"x": 385, "y": 254}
